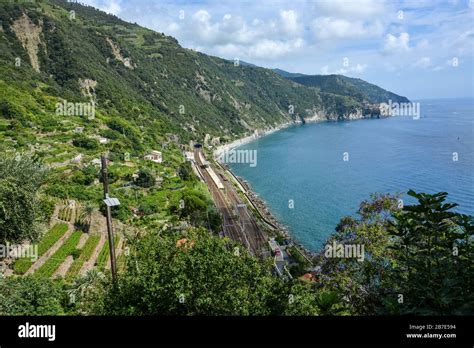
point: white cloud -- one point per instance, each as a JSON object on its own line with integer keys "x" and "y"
{"x": 463, "y": 44}
{"x": 352, "y": 70}
{"x": 109, "y": 6}
{"x": 328, "y": 28}
{"x": 289, "y": 22}
{"x": 274, "y": 49}
{"x": 263, "y": 49}
{"x": 397, "y": 44}
{"x": 202, "y": 16}
{"x": 233, "y": 36}
{"x": 356, "y": 69}
{"x": 352, "y": 8}
{"x": 202, "y": 29}
{"x": 113, "y": 7}
{"x": 359, "y": 68}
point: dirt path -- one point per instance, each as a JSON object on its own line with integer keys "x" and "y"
{"x": 62, "y": 270}
{"x": 89, "y": 264}
{"x": 82, "y": 241}
{"x": 54, "y": 217}
{"x": 40, "y": 262}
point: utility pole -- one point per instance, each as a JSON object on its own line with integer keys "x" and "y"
{"x": 110, "y": 232}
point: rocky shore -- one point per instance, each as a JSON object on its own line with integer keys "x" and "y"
{"x": 266, "y": 214}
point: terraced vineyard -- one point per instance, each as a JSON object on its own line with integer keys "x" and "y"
{"x": 53, "y": 263}
{"x": 65, "y": 258}
{"x": 66, "y": 214}
{"x": 84, "y": 256}
{"x": 52, "y": 236}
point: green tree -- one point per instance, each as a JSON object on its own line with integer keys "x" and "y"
{"x": 90, "y": 174}
{"x": 418, "y": 260}
{"x": 145, "y": 178}
{"x": 359, "y": 280}
{"x": 85, "y": 142}
{"x": 433, "y": 249}
{"x": 199, "y": 274}
{"x": 9, "y": 110}
{"x": 185, "y": 171}
{"x": 83, "y": 290}
{"x": 31, "y": 296}
{"x": 20, "y": 209}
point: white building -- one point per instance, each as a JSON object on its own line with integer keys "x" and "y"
{"x": 154, "y": 156}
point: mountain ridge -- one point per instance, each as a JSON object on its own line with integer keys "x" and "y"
{"x": 145, "y": 79}
{"x": 344, "y": 85}
{"x": 357, "y": 88}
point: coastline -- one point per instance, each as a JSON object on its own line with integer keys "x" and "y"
{"x": 245, "y": 140}
{"x": 317, "y": 117}
{"x": 258, "y": 203}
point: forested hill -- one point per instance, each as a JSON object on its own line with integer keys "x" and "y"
{"x": 355, "y": 88}
{"x": 143, "y": 83}
{"x": 287, "y": 74}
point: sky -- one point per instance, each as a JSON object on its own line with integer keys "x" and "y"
{"x": 417, "y": 48}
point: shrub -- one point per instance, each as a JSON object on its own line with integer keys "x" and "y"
{"x": 31, "y": 296}
{"x": 145, "y": 178}
{"x": 86, "y": 143}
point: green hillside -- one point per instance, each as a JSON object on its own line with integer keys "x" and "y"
{"x": 76, "y": 83}
{"x": 357, "y": 89}
{"x": 143, "y": 83}
{"x": 287, "y": 74}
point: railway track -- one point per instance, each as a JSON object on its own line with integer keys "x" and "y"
{"x": 238, "y": 224}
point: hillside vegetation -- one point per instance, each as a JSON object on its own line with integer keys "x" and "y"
{"x": 143, "y": 81}
{"x": 357, "y": 89}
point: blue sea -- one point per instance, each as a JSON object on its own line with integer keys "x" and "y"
{"x": 305, "y": 164}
